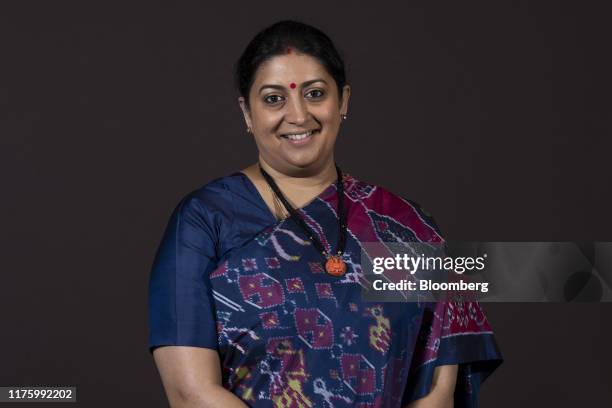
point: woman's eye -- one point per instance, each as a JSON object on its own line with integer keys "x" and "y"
{"x": 271, "y": 99}
{"x": 315, "y": 93}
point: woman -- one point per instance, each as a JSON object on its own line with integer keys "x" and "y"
{"x": 255, "y": 294}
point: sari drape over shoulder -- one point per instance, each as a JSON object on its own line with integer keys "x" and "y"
{"x": 229, "y": 277}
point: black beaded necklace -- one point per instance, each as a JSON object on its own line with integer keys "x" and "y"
{"x": 334, "y": 264}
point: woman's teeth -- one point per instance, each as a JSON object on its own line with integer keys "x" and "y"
{"x": 299, "y": 136}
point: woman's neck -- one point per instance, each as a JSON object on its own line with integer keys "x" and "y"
{"x": 299, "y": 191}
{"x": 317, "y": 180}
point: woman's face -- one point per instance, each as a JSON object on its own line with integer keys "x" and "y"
{"x": 295, "y": 113}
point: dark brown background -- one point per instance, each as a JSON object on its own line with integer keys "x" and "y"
{"x": 495, "y": 118}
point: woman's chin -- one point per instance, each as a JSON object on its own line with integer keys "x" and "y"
{"x": 304, "y": 164}
{"x": 304, "y": 158}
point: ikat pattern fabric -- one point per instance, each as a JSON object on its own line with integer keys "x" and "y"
{"x": 289, "y": 335}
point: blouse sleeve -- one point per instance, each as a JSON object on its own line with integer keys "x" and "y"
{"x": 453, "y": 333}
{"x": 181, "y": 311}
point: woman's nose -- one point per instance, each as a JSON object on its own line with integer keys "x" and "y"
{"x": 297, "y": 111}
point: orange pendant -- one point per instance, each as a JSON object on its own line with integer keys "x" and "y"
{"x": 335, "y": 266}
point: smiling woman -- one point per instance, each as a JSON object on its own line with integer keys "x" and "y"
{"x": 294, "y": 111}
{"x": 255, "y": 293}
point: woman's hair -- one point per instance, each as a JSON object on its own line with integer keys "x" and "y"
{"x": 275, "y": 39}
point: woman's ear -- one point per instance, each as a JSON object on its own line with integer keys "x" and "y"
{"x": 245, "y": 112}
{"x": 346, "y": 94}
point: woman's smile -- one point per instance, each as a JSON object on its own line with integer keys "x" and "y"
{"x": 300, "y": 139}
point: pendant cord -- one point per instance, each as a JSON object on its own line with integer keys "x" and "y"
{"x": 342, "y": 224}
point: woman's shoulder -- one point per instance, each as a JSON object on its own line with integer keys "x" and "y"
{"x": 383, "y": 202}
{"x": 227, "y": 209}
{"x": 216, "y": 194}
{"x": 229, "y": 205}
{"x": 209, "y": 207}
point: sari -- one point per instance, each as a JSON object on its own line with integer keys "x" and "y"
{"x": 228, "y": 276}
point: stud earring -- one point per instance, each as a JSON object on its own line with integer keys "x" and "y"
{"x": 344, "y": 116}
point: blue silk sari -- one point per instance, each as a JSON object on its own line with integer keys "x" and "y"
{"x": 229, "y": 277}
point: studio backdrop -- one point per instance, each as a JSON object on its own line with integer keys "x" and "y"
{"x": 495, "y": 118}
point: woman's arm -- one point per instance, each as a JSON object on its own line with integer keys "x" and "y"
{"x": 192, "y": 378}
{"x": 442, "y": 389}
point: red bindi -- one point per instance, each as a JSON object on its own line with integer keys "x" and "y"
{"x": 288, "y": 50}
{"x": 292, "y": 85}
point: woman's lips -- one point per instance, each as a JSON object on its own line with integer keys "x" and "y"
{"x": 300, "y": 140}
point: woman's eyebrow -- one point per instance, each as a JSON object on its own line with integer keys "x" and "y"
{"x": 306, "y": 83}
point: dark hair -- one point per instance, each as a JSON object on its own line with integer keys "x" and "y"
{"x": 275, "y": 39}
